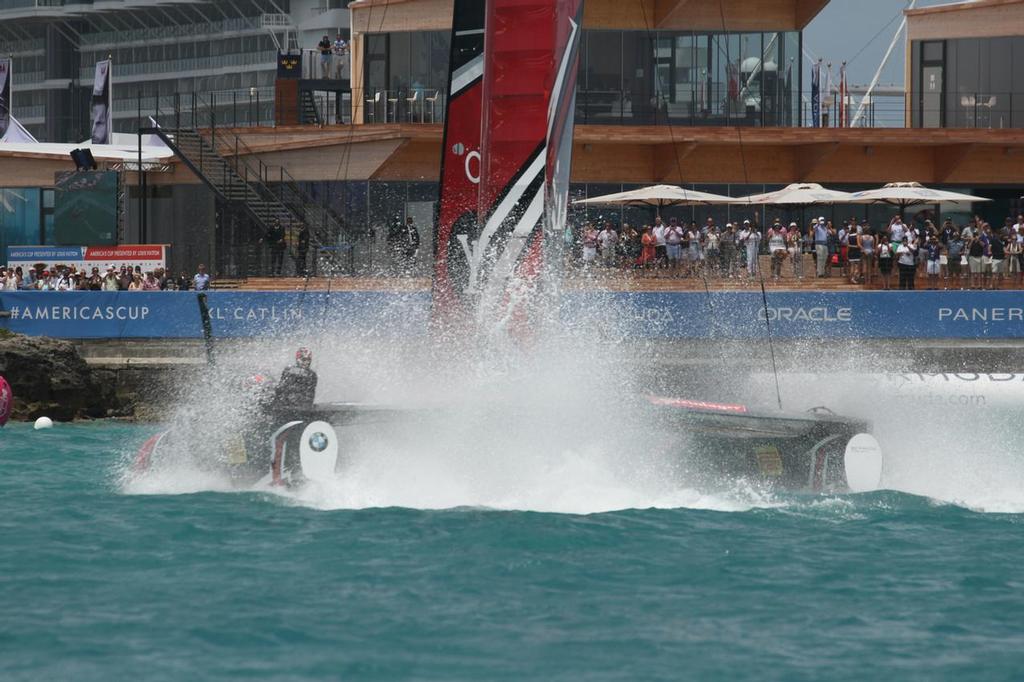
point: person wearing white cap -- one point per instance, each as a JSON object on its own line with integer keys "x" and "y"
{"x": 752, "y": 241}
{"x": 110, "y": 282}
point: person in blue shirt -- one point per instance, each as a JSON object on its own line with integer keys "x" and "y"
{"x": 30, "y": 280}
{"x": 201, "y": 281}
{"x": 954, "y": 254}
{"x": 821, "y": 246}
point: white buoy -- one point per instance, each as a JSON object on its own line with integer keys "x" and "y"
{"x": 44, "y": 423}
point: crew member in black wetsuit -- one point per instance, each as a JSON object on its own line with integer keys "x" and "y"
{"x": 297, "y": 387}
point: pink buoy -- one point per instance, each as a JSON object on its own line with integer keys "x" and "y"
{"x": 6, "y": 401}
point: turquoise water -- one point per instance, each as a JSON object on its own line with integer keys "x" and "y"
{"x": 98, "y": 584}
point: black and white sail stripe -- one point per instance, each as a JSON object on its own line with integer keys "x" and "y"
{"x": 467, "y": 74}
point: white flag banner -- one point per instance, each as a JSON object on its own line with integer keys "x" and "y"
{"x": 102, "y": 104}
{"x": 5, "y": 96}
{"x": 17, "y": 133}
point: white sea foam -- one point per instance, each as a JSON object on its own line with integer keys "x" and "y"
{"x": 555, "y": 428}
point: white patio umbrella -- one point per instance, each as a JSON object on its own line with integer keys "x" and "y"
{"x": 797, "y": 195}
{"x": 657, "y": 196}
{"x": 905, "y": 194}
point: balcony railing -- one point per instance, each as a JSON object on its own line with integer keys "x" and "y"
{"x": 262, "y": 58}
{"x": 29, "y": 4}
{"x": 163, "y": 33}
{"x": 241, "y": 108}
{"x": 334, "y": 67}
{"x": 685, "y": 108}
{"x": 963, "y": 110}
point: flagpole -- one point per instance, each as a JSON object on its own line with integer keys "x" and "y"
{"x": 842, "y": 95}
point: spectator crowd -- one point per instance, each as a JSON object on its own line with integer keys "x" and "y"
{"x": 972, "y": 256}
{"x": 69, "y": 278}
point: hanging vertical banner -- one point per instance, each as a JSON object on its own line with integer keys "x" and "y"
{"x": 5, "y": 95}
{"x": 102, "y": 103}
{"x": 816, "y": 94}
{"x": 843, "y": 109}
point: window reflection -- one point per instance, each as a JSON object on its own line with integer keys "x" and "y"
{"x": 968, "y": 83}
{"x": 634, "y": 77}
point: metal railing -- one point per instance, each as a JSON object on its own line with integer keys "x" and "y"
{"x": 687, "y": 107}
{"x": 944, "y": 110}
{"x": 263, "y": 58}
{"x": 197, "y": 127}
{"x": 888, "y": 110}
{"x": 335, "y": 67}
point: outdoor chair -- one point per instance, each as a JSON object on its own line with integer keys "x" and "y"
{"x": 411, "y": 104}
{"x": 433, "y": 103}
{"x": 393, "y": 106}
{"x": 373, "y": 103}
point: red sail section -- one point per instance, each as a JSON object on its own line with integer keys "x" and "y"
{"x": 519, "y": 178}
{"x": 530, "y": 56}
{"x": 456, "y": 223}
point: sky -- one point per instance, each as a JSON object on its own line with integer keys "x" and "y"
{"x": 844, "y": 30}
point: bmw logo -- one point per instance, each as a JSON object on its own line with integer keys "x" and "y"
{"x": 318, "y": 442}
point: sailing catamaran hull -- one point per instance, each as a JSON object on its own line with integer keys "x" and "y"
{"x": 505, "y": 172}
{"x": 711, "y": 443}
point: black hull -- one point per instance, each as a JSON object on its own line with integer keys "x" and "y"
{"x": 790, "y": 452}
{"x": 803, "y": 452}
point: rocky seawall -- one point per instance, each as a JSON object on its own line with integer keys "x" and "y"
{"x": 50, "y": 378}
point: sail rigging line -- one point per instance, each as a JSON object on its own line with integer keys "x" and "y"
{"x": 760, "y": 272}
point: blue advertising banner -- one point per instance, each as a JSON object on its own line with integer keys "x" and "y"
{"x": 685, "y": 315}
{"x": 30, "y": 255}
{"x": 126, "y": 315}
{"x": 825, "y": 315}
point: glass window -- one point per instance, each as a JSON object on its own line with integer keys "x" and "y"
{"x": 771, "y": 82}
{"x": 997, "y": 84}
{"x": 440, "y": 53}
{"x": 419, "y": 69}
{"x": 745, "y": 94}
{"x": 19, "y": 217}
{"x": 685, "y": 79}
{"x": 399, "y": 68}
{"x": 968, "y": 63}
{"x": 376, "y": 63}
{"x": 931, "y": 51}
{"x": 953, "y": 110}
{"x": 601, "y": 78}
{"x": 1017, "y": 97}
{"x": 638, "y": 78}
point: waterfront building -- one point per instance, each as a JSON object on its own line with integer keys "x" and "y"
{"x": 965, "y": 65}
{"x": 670, "y": 91}
{"x": 160, "y": 51}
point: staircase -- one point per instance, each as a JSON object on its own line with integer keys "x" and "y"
{"x": 269, "y": 195}
{"x": 309, "y": 112}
